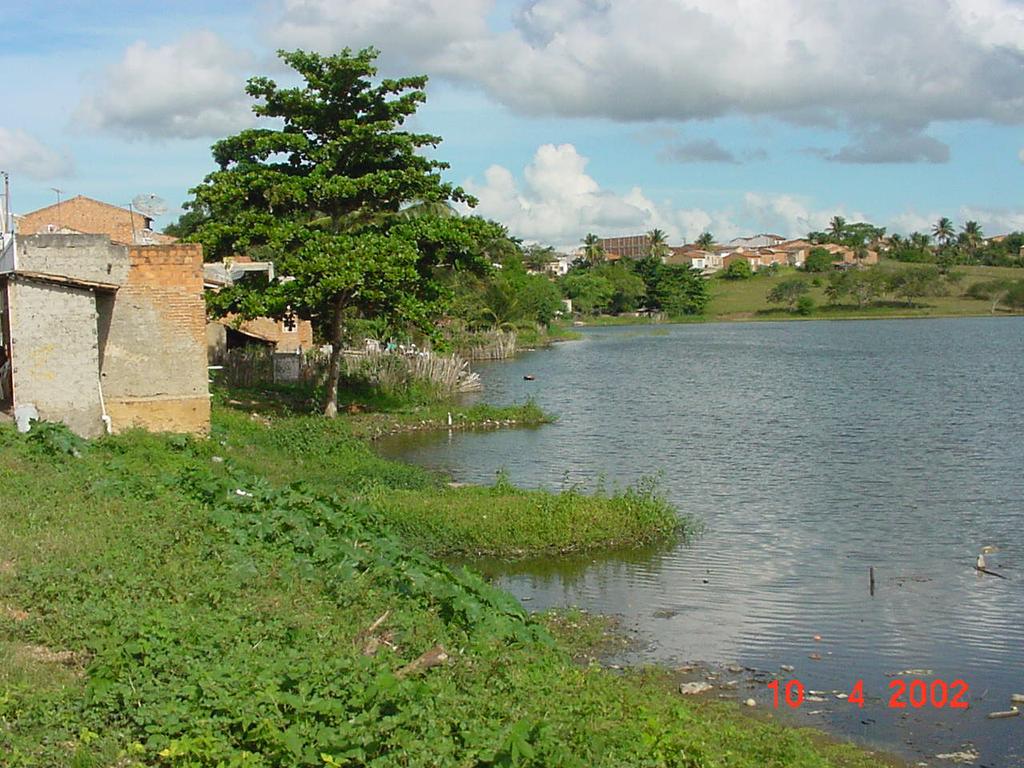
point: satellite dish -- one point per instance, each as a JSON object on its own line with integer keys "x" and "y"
{"x": 149, "y": 205}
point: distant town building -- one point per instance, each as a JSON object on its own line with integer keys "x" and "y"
{"x": 756, "y": 241}
{"x": 627, "y": 247}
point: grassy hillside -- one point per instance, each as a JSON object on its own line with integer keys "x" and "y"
{"x": 164, "y": 603}
{"x": 748, "y": 299}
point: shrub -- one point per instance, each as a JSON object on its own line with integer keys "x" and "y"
{"x": 805, "y": 305}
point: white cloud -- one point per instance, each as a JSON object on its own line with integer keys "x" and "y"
{"x": 912, "y": 221}
{"x": 789, "y": 215}
{"x": 874, "y": 65}
{"x": 408, "y": 31}
{"x": 21, "y": 153}
{"x": 1020, "y": 155}
{"x": 558, "y": 202}
{"x": 191, "y": 88}
{"x": 993, "y": 221}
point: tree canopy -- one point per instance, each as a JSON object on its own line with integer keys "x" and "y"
{"x": 342, "y": 199}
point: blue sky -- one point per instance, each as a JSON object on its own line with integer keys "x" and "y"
{"x": 562, "y": 116}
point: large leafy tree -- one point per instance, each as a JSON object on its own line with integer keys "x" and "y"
{"x": 344, "y": 200}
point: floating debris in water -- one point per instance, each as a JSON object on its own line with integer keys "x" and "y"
{"x": 1000, "y": 715}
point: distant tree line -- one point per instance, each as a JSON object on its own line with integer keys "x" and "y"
{"x": 943, "y": 245}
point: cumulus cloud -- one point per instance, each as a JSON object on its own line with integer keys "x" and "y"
{"x": 993, "y": 221}
{"x": 558, "y": 202}
{"x": 881, "y": 68}
{"x": 408, "y": 31}
{"x": 21, "y": 153}
{"x": 191, "y": 88}
{"x": 789, "y": 215}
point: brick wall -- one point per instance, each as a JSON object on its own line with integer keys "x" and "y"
{"x": 83, "y": 214}
{"x": 154, "y": 356}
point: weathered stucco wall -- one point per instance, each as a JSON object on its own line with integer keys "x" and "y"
{"x": 55, "y": 352}
{"x": 153, "y": 364}
{"x": 77, "y": 257}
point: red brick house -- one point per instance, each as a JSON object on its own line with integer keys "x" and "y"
{"x": 83, "y": 215}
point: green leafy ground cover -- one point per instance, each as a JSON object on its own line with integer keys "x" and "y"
{"x": 170, "y": 602}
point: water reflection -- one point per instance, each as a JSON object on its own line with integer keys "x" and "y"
{"x": 812, "y": 451}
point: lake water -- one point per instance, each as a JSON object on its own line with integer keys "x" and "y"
{"x": 811, "y": 451}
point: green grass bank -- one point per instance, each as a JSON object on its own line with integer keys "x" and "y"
{"x": 748, "y": 299}
{"x": 246, "y": 600}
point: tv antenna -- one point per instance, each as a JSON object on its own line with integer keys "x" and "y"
{"x": 59, "y": 192}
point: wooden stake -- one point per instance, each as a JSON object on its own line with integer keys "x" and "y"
{"x": 871, "y": 579}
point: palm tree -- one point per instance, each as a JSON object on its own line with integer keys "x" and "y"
{"x": 943, "y": 230}
{"x": 971, "y": 235}
{"x": 658, "y": 243}
{"x": 706, "y": 241}
{"x": 920, "y": 240}
{"x": 836, "y": 226}
{"x": 592, "y": 250}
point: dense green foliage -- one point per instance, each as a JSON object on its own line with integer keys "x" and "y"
{"x": 507, "y": 297}
{"x": 627, "y": 286}
{"x": 161, "y": 604}
{"x": 818, "y": 260}
{"x": 852, "y": 235}
{"x": 739, "y": 269}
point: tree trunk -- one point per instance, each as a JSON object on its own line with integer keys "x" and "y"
{"x": 334, "y": 371}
